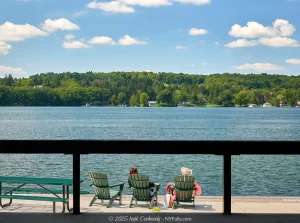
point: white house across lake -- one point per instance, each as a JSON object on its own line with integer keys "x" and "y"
{"x": 152, "y": 103}
{"x": 267, "y": 105}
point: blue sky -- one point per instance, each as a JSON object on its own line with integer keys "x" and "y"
{"x": 189, "y": 36}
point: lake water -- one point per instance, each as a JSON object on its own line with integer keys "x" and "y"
{"x": 251, "y": 175}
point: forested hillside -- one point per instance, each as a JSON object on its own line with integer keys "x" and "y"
{"x": 137, "y": 88}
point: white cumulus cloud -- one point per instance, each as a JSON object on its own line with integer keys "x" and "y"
{"x": 195, "y": 31}
{"x": 279, "y": 42}
{"x": 4, "y": 48}
{"x": 13, "y": 32}
{"x": 272, "y": 36}
{"x": 293, "y": 61}
{"x": 69, "y": 36}
{"x": 259, "y": 67}
{"x": 242, "y": 43}
{"x": 113, "y": 6}
{"x": 102, "y": 40}
{"x": 59, "y": 24}
{"x": 180, "y": 47}
{"x": 255, "y": 30}
{"x": 12, "y": 70}
{"x": 146, "y": 3}
{"x": 127, "y": 40}
{"x": 195, "y": 2}
{"x": 75, "y": 45}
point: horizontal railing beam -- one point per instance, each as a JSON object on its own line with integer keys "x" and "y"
{"x": 150, "y": 147}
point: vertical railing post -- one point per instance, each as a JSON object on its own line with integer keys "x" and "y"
{"x": 76, "y": 183}
{"x": 227, "y": 184}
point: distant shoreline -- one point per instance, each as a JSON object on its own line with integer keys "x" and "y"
{"x": 36, "y": 106}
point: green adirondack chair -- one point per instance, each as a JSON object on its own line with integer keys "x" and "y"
{"x": 185, "y": 192}
{"x": 141, "y": 190}
{"x": 102, "y": 189}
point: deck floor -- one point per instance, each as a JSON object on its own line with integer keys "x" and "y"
{"x": 271, "y": 205}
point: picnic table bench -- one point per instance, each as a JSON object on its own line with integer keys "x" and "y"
{"x": 7, "y": 192}
{"x": 39, "y": 190}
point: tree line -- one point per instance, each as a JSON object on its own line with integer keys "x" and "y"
{"x": 137, "y": 88}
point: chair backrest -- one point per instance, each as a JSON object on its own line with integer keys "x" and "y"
{"x": 184, "y": 186}
{"x": 100, "y": 184}
{"x": 140, "y": 185}
{"x": 139, "y": 181}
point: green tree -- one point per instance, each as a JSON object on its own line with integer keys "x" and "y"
{"x": 243, "y": 98}
{"x": 213, "y": 94}
{"x": 25, "y": 82}
{"x": 69, "y": 83}
{"x": 134, "y": 100}
{"x": 226, "y": 99}
{"x": 144, "y": 99}
{"x": 291, "y": 96}
{"x": 165, "y": 96}
{"x": 201, "y": 99}
{"x": 122, "y": 98}
{"x": 8, "y": 80}
{"x": 6, "y": 96}
{"x": 73, "y": 96}
{"x": 179, "y": 97}
{"x": 114, "y": 100}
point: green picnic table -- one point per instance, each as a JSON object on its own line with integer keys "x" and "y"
{"x": 40, "y": 182}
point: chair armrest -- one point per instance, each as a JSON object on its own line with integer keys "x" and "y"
{"x": 98, "y": 186}
{"x": 121, "y": 185}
